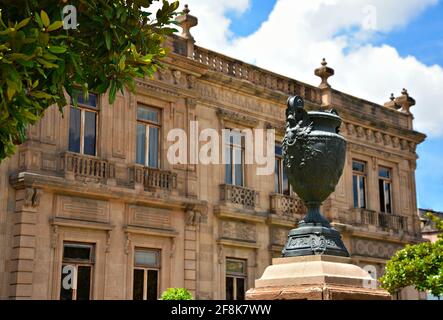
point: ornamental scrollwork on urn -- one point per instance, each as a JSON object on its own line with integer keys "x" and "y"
{"x": 313, "y": 155}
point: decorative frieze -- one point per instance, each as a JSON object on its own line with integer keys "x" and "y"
{"x": 82, "y": 209}
{"x": 377, "y": 137}
{"x": 236, "y": 117}
{"x": 374, "y": 248}
{"x": 149, "y": 217}
{"x": 279, "y": 236}
{"x": 238, "y": 231}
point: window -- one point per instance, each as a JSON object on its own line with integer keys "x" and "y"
{"x": 385, "y": 187}
{"x": 83, "y": 125}
{"x": 77, "y": 268}
{"x": 235, "y": 158}
{"x": 146, "y": 274}
{"x": 148, "y": 136}
{"x": 281, "y": 182}
{"x": 359, "y": 183}
{"x": 235, "y": 279}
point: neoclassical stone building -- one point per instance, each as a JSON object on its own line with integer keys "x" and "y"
{"x": 92, "y": 193}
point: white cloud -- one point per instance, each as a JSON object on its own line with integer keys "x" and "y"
{"x": 298, "y": 34}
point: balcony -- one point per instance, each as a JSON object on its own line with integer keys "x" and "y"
{"x": 384, "y": 221}
{"x": 287, "y": 207}
{"x": 75, "y": 165}
{"x": 159, "y": 179}
{"x": 239, "y": 196}
{"x": 152, "y": 179}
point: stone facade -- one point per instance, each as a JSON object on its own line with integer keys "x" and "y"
{"x": 50, "y": 196}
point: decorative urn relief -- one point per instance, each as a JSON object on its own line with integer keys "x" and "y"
{"x": 314, "y": 155}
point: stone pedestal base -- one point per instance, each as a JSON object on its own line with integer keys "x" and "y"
{"x": 316, "y": 277}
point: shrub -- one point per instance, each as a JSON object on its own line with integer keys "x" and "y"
{"x": 176, "y": 294}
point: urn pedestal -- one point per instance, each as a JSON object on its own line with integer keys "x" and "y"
{"x": 315, "y": 277}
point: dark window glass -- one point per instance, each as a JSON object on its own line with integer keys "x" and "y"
{"x": 382, "y": 195}
{"x": 278, "y": 150}
{"x": 152, "y": 284}
{"x": 277, "y": 176}
{"x": 74, "y": 129}
{"x": 362, "y": 192}
{"x": 229, "y": 288}
{"x": 90, "y": 102}
{"x": 153, "y": 147}
{"x": 286, "y": 188}
{"x": 137, "y": 291}
{"x": 77, "y": 252}
{"x": 228, "y": 165}
{"x": 384, "y": 173}
{"x": 90, "y": 132}
{"x": 358, "y": 166}
{"x": 83, "y": 282}
{"x": 388, "y": 197}
{"x": 355, "y": 189}
{"x": 240, "y": 289}
{"x": 141, "y": 144}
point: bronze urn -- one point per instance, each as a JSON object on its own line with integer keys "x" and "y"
{"x": 314, "y": 155}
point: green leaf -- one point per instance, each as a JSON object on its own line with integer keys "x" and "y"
{"x": 10, "y": 92}
{"x": 108, "y": 40}
{"x": 57, "y": 49}
{"x": 121, "y": 64}
{"x": 45, "y": 18}
{"x": 22, "y": 23}
{"x": 55, "y": 25}
{"x": 112, "y": 92}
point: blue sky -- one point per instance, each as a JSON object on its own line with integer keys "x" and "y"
{"x": 419, "y": 35}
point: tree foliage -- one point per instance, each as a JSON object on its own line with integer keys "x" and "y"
{"x": 176, "y": 294}
{"x": 115, "y": 42}
{"x": 419, "y": 265}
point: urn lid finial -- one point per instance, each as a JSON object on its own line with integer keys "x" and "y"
{"x": 186, "y": 22}
{"x": 324, "y": 72}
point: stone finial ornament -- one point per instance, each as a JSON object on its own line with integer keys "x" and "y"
{"x": 324, "y": 73}
{"x": 187, "y": 22}
{"x": 402, "y": 103}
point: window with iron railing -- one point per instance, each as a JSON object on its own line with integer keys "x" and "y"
{"x": 235, "y": 158}
{"x": 359, "y": 183}
{"x": 83, "y": 123}
{"x": 385, "y": 189}
{"x": 148, "y": 136}
{"x": 281, "y": 182}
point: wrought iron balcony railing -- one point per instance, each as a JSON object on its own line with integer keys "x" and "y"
{"x": 287, "y": 207}
{"x": 239, "y": 195}
{"x": 382, "y": 220}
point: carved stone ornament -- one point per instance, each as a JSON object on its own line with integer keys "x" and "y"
{"x": 32, "y": 197}
{"x": 236, "y": 118}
